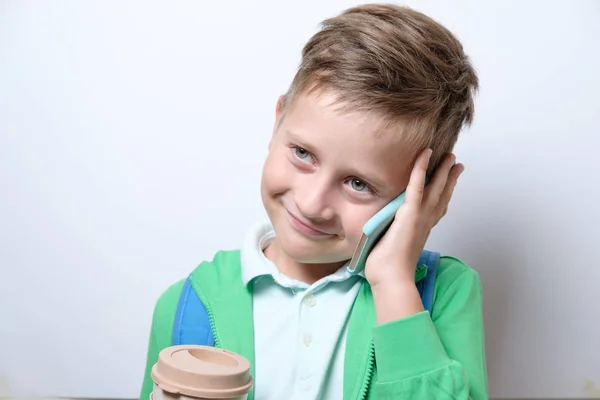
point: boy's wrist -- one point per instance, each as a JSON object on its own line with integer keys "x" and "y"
{"x": 392, "y": 275}
{"x": 396, "y": 299}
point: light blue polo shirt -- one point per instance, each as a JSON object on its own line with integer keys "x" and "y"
{"x": 299, "y": 329}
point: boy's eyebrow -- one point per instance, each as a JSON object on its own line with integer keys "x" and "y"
{"x": 294, "y": 137}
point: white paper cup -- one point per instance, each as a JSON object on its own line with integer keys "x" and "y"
{"x": 192, "y": 372}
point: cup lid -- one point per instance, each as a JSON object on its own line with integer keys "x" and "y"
{"x": 202, "y": 371}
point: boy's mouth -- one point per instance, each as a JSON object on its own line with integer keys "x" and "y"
{"x": 304, "y": 227}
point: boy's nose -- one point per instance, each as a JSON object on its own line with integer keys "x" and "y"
{"x": 313, "y": 203}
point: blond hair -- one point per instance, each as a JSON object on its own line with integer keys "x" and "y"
{"x": 398, "y": 63}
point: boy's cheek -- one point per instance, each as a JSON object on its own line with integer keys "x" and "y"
{"x": 352, "y": 225}
{"x": 355, "y": 220}
{"x": 277, "y": 177}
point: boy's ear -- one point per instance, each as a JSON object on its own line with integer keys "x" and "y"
{"x": 280, "y": 104}
{"x": 278, "y": 116}
{"x": 279, "y": 112}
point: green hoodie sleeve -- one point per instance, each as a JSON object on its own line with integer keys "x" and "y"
{"x": 440, "y": 357}
{"x": 161, "y": 332}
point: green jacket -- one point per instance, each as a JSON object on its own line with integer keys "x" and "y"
{"x": 438, "y": 357}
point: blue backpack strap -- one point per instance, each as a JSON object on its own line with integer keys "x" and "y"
{"x": 191, "y": 324}
{"x": 426, "y": 285}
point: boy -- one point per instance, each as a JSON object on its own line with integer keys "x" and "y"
{"x": 377, "y": 103}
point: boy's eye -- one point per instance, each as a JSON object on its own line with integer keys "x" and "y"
{"x": 301, "y": 153}
{"x": 358, "y": 185}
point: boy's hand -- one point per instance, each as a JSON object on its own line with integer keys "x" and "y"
{"x": 391, "y": 264}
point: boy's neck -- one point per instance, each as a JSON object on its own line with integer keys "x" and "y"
{"x": 303, "y": 272}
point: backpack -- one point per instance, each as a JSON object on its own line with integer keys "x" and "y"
{"x": 192, "y": 324}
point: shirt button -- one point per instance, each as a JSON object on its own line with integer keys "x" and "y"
{"x": 307, "y": 339}
{"x": 306, "y": 385}
{"x": 310, "y": 300}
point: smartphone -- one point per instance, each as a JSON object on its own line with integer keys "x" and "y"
{"x": 374, "y": 230}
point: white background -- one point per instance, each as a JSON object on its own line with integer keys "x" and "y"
{"x": 132, "y": 136}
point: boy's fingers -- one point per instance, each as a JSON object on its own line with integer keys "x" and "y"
{"x": 439, "y": 182}
{"x": 446, "y": 196}
{"x": 416, "y": 184}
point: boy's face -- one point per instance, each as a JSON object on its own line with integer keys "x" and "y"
{"x": 325, "y": 175}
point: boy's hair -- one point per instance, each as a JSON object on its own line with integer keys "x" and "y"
{"x": 395, "y": 62}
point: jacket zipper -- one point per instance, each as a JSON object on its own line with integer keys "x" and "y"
{"x": 211, "y": 319}
{"x": 367, "y": 381}
{"x": 209, "y": 311}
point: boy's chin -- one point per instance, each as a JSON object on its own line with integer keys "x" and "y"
{"x": 312, "y": 255}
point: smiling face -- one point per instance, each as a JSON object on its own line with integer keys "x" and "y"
{"x": 325, "y": 175}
